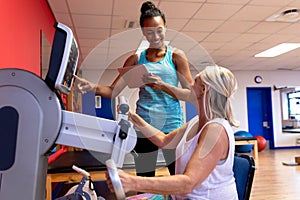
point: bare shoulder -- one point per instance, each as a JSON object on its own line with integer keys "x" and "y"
{"x": 215, "y": 128}
{"x": 131, "y": 60}
{"x": 215, "y": 125}
{"x": 180, "y": 60}
{"x": 178, "y": 54}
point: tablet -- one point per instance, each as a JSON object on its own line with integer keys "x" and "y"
{"x": 133, "y": 75}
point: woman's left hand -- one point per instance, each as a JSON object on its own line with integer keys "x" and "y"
{"x": 126, "y": 180}
{"x": 135, "y": 119}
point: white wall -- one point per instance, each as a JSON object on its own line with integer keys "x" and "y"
{"x": 279, "y": 78}
{"x": 245, "y": 79}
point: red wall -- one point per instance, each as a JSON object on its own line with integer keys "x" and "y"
{"x": 21, "y": 23}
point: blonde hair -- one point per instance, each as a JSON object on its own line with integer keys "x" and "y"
{"x": 222, "y": 85}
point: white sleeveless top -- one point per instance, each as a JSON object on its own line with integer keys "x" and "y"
{"x": 220, "y": 184}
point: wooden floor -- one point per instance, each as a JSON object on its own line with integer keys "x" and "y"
{"x": 272, "y": 179}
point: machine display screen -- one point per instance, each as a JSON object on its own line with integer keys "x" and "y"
{"x": 63, "y": 60}
{"x": 71, "y": 67}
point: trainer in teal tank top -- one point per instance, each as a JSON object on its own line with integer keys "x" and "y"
{"x": 156, "y": 107}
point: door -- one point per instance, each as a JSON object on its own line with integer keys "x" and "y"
{"x": 190, "y": 111}
{"x": 259, "y": 107}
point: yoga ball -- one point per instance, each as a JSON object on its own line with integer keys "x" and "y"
{"x": 261, "y": 142}
{"x": 243, "y": 148}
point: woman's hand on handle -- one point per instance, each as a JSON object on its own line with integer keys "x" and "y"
{"x": 125, "y": 180}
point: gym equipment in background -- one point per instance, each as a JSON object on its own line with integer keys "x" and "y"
{"x": 261, "y": 142}
{"x": 243, "y": 148}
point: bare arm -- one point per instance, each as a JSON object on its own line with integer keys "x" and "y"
{"x": 197, "y": 170}
{"x": 183, "y": 70}
{"x": 106, "y": 91}
{"x": 160, "y": 139}
{"x": 213, "y": 146}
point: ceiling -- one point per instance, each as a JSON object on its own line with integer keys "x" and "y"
{"x": 226, "y": 32}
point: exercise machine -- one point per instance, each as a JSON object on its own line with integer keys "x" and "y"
{"x": 33, "y": 121}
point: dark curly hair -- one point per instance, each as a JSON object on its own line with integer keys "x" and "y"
{"x": 149, "y": 10}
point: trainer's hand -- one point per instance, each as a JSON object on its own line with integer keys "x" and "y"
{"x": 83, "y": 85}
{"x": 153, "y": 81}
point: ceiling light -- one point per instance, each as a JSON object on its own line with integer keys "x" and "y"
{"x": 278, "y": 50}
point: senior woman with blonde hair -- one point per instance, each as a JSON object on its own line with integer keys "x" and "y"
{"x": 204, "y": 145}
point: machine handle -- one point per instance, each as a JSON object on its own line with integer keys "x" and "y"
{"x": 123, "y": 105}
{"x": 115, "y": 179}
{"x": 81, "y": 171}
{"x": 122, "y": 100}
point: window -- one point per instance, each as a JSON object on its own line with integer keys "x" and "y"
{"x": 294, "y": 105}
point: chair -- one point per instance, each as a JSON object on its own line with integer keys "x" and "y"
{"x": 243, "y": 169}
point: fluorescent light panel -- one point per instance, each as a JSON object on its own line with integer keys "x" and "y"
{"x": 278, "y": 50}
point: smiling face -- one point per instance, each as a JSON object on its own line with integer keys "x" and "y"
{"x": 154, "y": 30}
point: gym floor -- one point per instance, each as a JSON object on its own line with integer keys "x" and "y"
{"x": 272, "y": 179}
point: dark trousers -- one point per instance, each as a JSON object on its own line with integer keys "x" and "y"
{"x": 145, "y": 161}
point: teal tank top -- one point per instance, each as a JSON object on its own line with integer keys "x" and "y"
{"x": 156, "y": 107}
